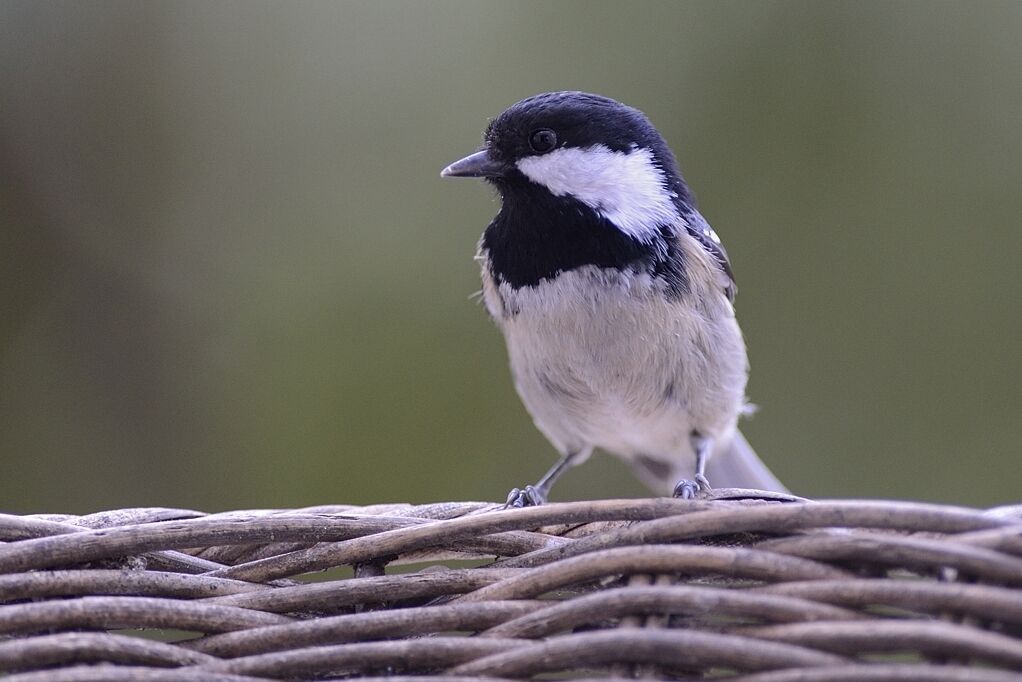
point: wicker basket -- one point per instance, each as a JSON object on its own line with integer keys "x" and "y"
{"x": 747, "y": 588}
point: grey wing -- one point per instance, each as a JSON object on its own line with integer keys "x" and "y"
{"x": 696, "y": 225}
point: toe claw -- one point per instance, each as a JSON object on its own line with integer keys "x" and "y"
{"x": 514, "y": 498}
{"x": 531, "y": 496}
{"x": 686, "y": 489}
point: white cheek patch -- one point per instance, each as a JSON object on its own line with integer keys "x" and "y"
{"x": 626, "y": 188}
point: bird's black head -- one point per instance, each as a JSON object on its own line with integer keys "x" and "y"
{"x": 557, "y": 120}
{"x": 589, "y": 142}
{"x": 584, "y": 180}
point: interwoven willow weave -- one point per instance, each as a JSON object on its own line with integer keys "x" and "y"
{"x": 747, "y": 589}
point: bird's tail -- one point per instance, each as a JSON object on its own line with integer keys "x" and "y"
{"x": 738, "y": 466}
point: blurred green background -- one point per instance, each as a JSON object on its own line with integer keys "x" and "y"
{"x": 231, "y": 275}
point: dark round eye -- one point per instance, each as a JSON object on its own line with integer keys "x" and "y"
{"x": 543, "y": 140}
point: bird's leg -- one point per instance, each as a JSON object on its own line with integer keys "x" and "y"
{"x": 535, "y": 495}
{"x": 703, "y": 446}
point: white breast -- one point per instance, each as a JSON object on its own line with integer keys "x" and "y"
{"x": 603, "y": 357}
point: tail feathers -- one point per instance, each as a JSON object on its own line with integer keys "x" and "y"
{"x": 737, "y": 466}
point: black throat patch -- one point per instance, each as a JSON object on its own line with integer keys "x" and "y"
{"x": 538, "y": 235}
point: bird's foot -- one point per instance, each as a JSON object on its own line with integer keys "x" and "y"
{"x": 689, "y": 489}
{"x": 531, "y": 496}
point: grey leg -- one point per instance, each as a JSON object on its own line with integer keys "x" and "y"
{"x": 703, "y": 446}
{"x": 535, "y": 495}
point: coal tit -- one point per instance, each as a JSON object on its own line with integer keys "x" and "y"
{"x": 614, "y": 295}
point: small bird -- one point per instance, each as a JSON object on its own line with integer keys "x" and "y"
{"x": 614, "y": 295}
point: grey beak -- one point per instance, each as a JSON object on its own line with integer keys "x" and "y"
{"x": 478, "y": 165}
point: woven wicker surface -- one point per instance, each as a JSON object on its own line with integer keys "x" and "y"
{"x": 745, "y": 588}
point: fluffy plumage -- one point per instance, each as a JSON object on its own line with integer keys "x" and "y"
{"x": 613, "y": 293}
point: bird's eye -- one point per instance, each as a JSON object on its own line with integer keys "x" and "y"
{"x": 543, "y": 140}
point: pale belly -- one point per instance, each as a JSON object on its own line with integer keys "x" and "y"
{"x": 622, "y": 367}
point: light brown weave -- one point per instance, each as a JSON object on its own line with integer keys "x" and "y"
{"x": 746, "y": 589}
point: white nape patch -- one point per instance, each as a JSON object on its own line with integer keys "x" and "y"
{"x": 626, "y": 188}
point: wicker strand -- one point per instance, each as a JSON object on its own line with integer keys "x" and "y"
{"x": 742, "y": 587}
